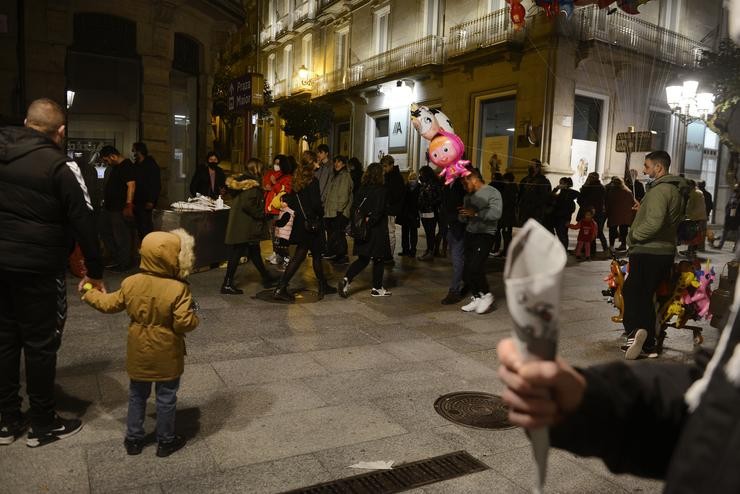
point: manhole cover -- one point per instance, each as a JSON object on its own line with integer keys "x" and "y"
{"x": 474, "y": 409}
{"x": 302, "y": 296}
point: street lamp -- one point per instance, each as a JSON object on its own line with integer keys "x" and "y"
{"x": 304, "y": 75}
{"x": 70, "y": 98}
{"x": 687, "y": 103}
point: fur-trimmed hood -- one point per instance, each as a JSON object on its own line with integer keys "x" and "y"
{"x": 170, "y": 254}
{"x": 241, "y": 182}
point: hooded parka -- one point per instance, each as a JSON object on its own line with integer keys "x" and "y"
{"x": 159, "y": 303}
{"x": 247, "y": 215}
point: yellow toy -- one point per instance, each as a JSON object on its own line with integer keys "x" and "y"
{"x": 674, "y": 306}
{"x": 615, "y": 281}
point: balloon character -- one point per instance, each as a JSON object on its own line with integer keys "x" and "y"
{"x": 445, "y": 151}
{"x": 566, "y": 7}
{"x": 551, "y": 7}
{"x": 429, "y": 121}
{"x": 517, "y": 13}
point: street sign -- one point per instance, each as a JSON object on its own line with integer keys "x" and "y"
{"x": 245, "y": 92}
{"x": 634, "y": 142}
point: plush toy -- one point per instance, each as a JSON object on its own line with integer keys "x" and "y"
{"x": 615, "y": 281}
{"x": 429, "y": 121}
{"x": 517, "y": 13}
{"x": 445, "y": 151}
{"x": 701, "y": 296}
{"x": 674, "y": 306}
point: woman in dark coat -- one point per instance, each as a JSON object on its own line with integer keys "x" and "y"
{"x": 247, "y": 226}
{"x": 209, "y": 179}
{"x": 372, "y": 202}
{"x": 408, "y": 218}
{"x": 305, "y": 201}
{"x": 619, "y": 203}
{"x": 430, "y": 198}
{"x": 509, "y": 197}
{"x": 562, "y": 206}
{"x": 592, "y": 197}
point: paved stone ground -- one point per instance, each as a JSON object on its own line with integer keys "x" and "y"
{"x": 276, "y": 397}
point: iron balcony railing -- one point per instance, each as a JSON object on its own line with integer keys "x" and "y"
{"x": 266, "y": 36}
{"x": 282, "y": 25}
{"x": 425, "y": 51}
{"x": 489, "y": 30}
{"x": 304, "y": 12}
{"x": 336, "y": 80}
{"x": 631, "y": 33}
{"x": 279, "y": 89}
{"x": 326, "y": 3}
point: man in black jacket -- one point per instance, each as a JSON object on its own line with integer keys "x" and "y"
{"x": 395, "y": 191}
{"x": 117, "y": 223}
{"x": 674, "y": 422}
{"x": 148, "y": 184}
{"x": 453, "y": 197}
{"x": 44, "y": 207}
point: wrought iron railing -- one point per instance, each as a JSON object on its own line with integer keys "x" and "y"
{"x": 279, "y": 89}
{"x": 631, "y": 33}
{"x": 266, "y": 36}
{"x": 425, "y": 51}
{"x": 326, "y": 3}
{"x": 282, "y": 25}
{"x": 304, "y": 12}
{"x": 336, "y": 80}
{"x": 489, "y": 30}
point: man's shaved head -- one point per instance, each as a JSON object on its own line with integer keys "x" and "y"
{"x": 46, "y": 116}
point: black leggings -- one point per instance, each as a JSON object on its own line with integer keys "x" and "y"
{"x": 253, "y": 253}
{"x": 430, "y": 225}
{"x": 300, "y": 254}
{"x": 477, "y": 247}
{"x": 617, "y": 231}
{"x": 361, "y": 263}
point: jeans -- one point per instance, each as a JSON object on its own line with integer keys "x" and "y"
{"x": 33, "y": 309}
{"x": 117, "y": 234}
{"x": 456, "y": 246}
{"x": 477, "y": 247}
{"x": 409, "y": 239}
{"x": 646, "y": 273}
{"x": 337, "y": 239}
{"x": 392, "y": 233}
{"x": 166, "y": 401}
{"x": 361, "y": 263}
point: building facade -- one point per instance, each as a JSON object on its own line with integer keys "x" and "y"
{"x": 127, "y": 71}
{"x": 559, "y": 89}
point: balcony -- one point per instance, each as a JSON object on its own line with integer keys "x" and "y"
{"x": 282, "y": 26}
{"x": 304, "y": 13}
{"x": 279, "y": 89}
{"x": 266, "y": 36}
{"x": 426, "y": 51}
{"x": 337, "y": 80}
{"x": 331, "y": 6}
{"x": 633, "y": 34}
{"x": 492, "y": 29}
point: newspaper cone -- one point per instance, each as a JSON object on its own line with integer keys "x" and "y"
{"x": 533, "y": 277}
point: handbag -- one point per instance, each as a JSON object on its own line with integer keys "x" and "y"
{"x": 359, "y": 228}
{"x": 310, "y": 225}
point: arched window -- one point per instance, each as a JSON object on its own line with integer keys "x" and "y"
{"x": 104, "y": 34}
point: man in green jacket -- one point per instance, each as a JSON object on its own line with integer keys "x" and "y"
{"x": 336, "y": 210}
{"x": 652, "y": 248}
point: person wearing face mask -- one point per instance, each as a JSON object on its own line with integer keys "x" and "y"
{"x": 209, "y": 179}
{"x": 652, "y": 248}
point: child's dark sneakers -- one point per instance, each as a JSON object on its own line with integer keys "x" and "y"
{"x": 12, "y": 429}
{"x": 133, "y": 446}
{"x": 60, "y": 429}
{"x": 166, "y": 449}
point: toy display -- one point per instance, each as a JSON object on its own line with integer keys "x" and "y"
{"x": 517, "y": 13}
{"x": 553, "y": 7}
{"x": 684, "y": 296}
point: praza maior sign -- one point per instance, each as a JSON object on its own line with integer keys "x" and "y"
{"x": 245, "y": 92}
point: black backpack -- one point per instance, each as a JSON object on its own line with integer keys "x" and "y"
{"x": 359, "y": 229}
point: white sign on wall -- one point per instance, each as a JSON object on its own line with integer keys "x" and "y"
{"x": 398, "y": 125}
{"x": 582, "y": 160}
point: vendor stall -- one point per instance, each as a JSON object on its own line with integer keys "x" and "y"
{"x": 207, "y": 227}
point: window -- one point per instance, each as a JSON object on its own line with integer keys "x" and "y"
{"x": 431, "y": 17}
{"x": 497, "y": 129}
{"x": 341, "y": 57}
{"x": 307, "y": 51}
{"x": 288, "y": 67}
{"x": 271, "y": 72}
{"x": 660, "y": 124}
{"x": 380, "y": 30}
{"x": 587, "y": 118}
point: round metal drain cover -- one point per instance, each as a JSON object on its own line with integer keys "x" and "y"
{"x": 474, "y": 409}
{"x": 302, "y": 296}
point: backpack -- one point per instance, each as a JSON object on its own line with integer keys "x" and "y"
{"x": 359, "y": 229}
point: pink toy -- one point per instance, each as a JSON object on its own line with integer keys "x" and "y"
{"x": 445, "y": 151}
{"x": 701, "y": 295}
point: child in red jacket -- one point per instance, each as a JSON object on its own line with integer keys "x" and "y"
{"x": 587, "y": 232}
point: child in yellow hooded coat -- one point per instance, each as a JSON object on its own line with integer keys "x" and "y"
{"x": 161, "y": 308}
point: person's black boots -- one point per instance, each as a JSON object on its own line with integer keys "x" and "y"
{"x": 325, "y": 288}
{"x": 282, "y": 293}
{"x": 228, "y": 288}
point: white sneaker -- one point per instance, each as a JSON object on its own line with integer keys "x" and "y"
{"x": 484, "y": 303}
{"x": 380, "y": 292}
{"x": 635, "y": 348}
{"x": 470, "y": 307}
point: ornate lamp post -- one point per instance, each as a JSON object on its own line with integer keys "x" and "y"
{"x": 688, "y": 104}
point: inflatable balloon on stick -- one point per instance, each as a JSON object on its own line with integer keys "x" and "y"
{"x": 445, "y": 151}
{"x": 517, "y": 13}
{"x": 428, "y": 122}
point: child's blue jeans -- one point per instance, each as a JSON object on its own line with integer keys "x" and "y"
{"x": 166, "y": 401}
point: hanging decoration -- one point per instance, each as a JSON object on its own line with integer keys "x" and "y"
{"x": 445, "y": 147}
{"x": 552, "y": 8}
